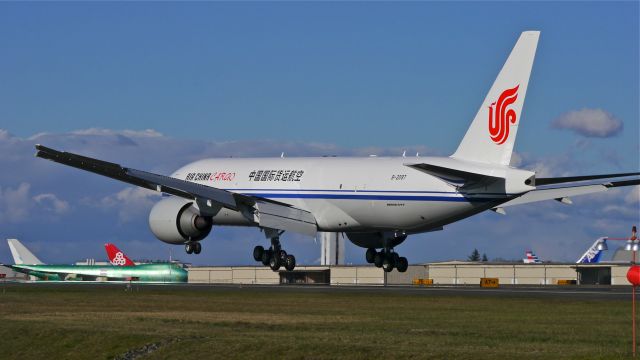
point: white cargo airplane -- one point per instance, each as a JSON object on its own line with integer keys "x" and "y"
{"x": 375, "y": 201}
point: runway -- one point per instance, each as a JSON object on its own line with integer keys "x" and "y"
{"x": 570, "y": 292}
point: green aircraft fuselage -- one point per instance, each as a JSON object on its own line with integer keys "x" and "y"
{"x": 161, "y": 273}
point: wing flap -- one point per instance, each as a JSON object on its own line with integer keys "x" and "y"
{"x": 288, "y": 218}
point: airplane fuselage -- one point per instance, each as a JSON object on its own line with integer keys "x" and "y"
{"x": 344, "y": 194}
{"x": 144, "y": 272}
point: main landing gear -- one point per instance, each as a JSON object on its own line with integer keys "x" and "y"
{"x": 387, "y": 259}
{"x": 193, "y": 247}
{"x": 275, "y": 256}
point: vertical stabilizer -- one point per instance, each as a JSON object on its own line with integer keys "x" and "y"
{"x": 492, "y": 134}
{"x": 592, "y": 255}
{"x": 117, "y": 257}
{"x": 22, "y": 255}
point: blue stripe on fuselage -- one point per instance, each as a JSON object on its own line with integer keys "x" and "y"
{"x": 370, "y": 197}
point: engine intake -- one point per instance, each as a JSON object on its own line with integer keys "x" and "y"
{"x": 176, "y": 221}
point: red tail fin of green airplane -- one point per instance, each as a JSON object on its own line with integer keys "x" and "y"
{"x": 117, "y": 257}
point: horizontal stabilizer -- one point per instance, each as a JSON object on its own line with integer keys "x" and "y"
{"x": 561, "y": 180}
{"x": 563, "y": 194}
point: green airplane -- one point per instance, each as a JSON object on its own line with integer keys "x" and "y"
{"x": 121, "y": 268}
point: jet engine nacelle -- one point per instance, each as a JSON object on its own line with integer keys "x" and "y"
{"x": 376, "y": 240}
{"x": 176, "y": 220}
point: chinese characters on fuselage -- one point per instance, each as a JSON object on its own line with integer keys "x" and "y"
{"x": 276, "y": 175}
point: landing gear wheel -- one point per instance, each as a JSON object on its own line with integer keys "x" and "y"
{"x": 402, "y": 265}
{"x": 396, "y": 259}
{"x": 290, "y": 263}
{"x": 387, "y": 264}
{"x": 257, "y": 253}
{"x": 197, "y": 248}
{"x": 266, "y": 256}
{"x": 282, "y": 256}
{"x": 378, "y": 259}
{"x": 370, "y": 255}
{"x": 274, "y": 263}
{"x": 188, "y": 247}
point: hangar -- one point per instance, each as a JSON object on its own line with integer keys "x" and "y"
{"x": 442, "y": 273}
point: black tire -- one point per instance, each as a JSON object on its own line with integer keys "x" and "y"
{"x": 197, "y": 247}
{"x": 282, "y": 256}
{"x": 274, "y": 263}
{"x": 370, "y": 255}
{"x": 188, "y": 248}
{"x": 396, "y": 259}
{"x": 266, "y": 256}
{"x": 257, "y": 253}
{"x": 378, "y": 259}
{"x": 290, "y": 263}
{"x": 387, "y": 264}
{"x": 402, "y": 265}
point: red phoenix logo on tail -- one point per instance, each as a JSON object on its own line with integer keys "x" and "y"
{"x": 500, "y": 117}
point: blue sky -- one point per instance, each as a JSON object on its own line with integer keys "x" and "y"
{"x": 312, "y": 78}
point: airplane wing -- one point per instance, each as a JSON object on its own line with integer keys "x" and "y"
{"x": 562, "y": 194}
{"x": 265, "y": 212}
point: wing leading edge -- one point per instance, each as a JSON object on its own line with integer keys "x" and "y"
{"x": 264, "y": 212}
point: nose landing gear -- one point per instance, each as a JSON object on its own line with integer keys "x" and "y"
{"x": 193, "y": 247}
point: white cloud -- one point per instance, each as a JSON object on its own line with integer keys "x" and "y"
{"x": 589, "y": 123}
{"x": 51, "y": 203}
{"x": 633, "y": 197}
{"x": 17, "y": 204}
{"x": 14, "y": 203}
{"x": 516, "y": 160}
{"x": 4, "y": 134}
{"x": 109, "y": 132}
{"x": 621, "y": 210}
{"x": 132, "y": 203}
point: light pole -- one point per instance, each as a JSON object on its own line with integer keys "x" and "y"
{"x": 633, "y": 275}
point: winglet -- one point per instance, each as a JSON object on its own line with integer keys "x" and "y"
{"x": 117, "y": 257}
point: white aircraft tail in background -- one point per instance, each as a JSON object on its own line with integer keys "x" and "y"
{"x": 22, "y": 255}
{"x": 531, "y": 258}
{"x": 593, "y": 253}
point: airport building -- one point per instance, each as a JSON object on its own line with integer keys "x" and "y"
{"x": 443, "y": 273}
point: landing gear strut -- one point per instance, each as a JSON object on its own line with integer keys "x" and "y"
{"x": 193, "y": 247}
{"x": 387, "y": 259}
{"x": 275, "y": 256}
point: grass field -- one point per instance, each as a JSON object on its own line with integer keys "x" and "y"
{"x": 81, "y": 322}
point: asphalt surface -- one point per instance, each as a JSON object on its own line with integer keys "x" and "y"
{"x": 553, "y": 291}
